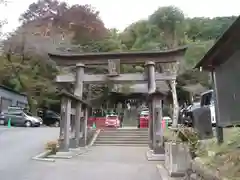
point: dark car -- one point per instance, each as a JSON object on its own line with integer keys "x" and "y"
{"x": 51, "y": 118}
{"x": 186, "y": 114}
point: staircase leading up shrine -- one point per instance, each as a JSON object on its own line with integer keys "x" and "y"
{"x": 122, "y": 137}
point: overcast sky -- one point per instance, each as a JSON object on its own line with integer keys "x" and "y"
{"x": 121, "y": 13}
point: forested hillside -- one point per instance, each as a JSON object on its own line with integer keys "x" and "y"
{"x": 49, "y": 25}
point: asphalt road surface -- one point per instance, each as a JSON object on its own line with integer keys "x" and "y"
{"x": 18, "y": 145}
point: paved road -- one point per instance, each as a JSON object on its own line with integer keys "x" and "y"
{"x": 18, "y": 145}
{"x": 100, "y": 163}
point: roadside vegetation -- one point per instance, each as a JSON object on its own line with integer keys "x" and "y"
{"x": 56, "y": 26}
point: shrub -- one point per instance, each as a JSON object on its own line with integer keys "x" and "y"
{"x": 52, "y": 146}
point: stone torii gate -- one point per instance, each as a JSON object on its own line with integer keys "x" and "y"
{"x": 165, "y": 59}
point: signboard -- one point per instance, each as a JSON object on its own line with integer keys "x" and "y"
{"x": 114, "y": 66}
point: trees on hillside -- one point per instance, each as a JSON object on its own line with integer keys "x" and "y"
{"x": 47, "y": 25}
{"x": 51, "y": 24}
{"x": 81, "y": 20}
{"x": 170, "y": 21}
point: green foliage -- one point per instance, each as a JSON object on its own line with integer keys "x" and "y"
{"x": 170, "y": 20}
{"x": 31, "y": 76}
{"x": 224, "y": 158}
{"x": 206, "y": 29}
{"x": 166, "y": 28}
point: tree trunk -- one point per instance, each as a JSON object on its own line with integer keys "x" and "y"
{"x": 32, "y": 106}
{"x": 175, "y": 103}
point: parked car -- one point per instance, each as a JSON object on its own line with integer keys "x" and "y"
{"x": 51, "y": 118}
{"x": 20, "y": 118}
{"x": 186, "y": 113}
{"x": 112, "y": 120}
{"x": 144, "y": 117}
{"x": 205, "y": 101}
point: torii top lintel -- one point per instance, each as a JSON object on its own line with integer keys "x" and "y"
{"x": 132, "y": 57}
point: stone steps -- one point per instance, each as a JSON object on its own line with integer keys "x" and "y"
{"x": 124, "y": 134}
{"x": 127, "y": 145}
{"x": 122, "y": 142}
{"x": 118, "y": 139}
{"x": 122, "y": 137}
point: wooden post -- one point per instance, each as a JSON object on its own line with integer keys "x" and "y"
{"x": 219, "y": 130}
{"x": 63, "y": 116}
{"x": 157, "y": 123}
{"x": 151, "y": 89}
{"x": 85, "y": 125}
{"x": 67, "y": 126}
{"x": 78, "y": 92}
{"x": 175, "y": 103}
{"x": 171, "y": 69}
{"x": 150, "y": 126}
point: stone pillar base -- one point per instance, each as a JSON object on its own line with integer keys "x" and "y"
{"x": 75, "y": 144}
{"x": 151, "y": 156}
{"x": 178, "y": 159}
{"x": 158, "y": 150}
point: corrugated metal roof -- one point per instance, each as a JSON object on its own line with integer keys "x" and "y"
{"x": 11, "y": 90}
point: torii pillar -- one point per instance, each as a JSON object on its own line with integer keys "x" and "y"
{"x": 155, "y": 114}
{"x": 78, "y": 91}
{"x": 156, "y": 100}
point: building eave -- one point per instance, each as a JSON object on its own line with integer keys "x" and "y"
{"x": 222, "y": 49}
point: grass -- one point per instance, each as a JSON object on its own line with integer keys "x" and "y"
{"x": 224, "y": 158}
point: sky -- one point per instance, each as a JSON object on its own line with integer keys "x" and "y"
{"x": 119, "y": 14}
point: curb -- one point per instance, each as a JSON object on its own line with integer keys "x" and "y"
{"x": 42, "y": 157}
{"x": 154, "y": 157}
{"x": 94, "y": 138}
{"x": 87, "y": 148}
{"x": 60, "y": 157}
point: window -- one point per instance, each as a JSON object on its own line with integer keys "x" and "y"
{"x": 206, "y": 99}
{"x": 21, "y": 104}
{"x": 16, "y": 113}
{"x": 27, "y": 113}
{"x": 51, "y": 114}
